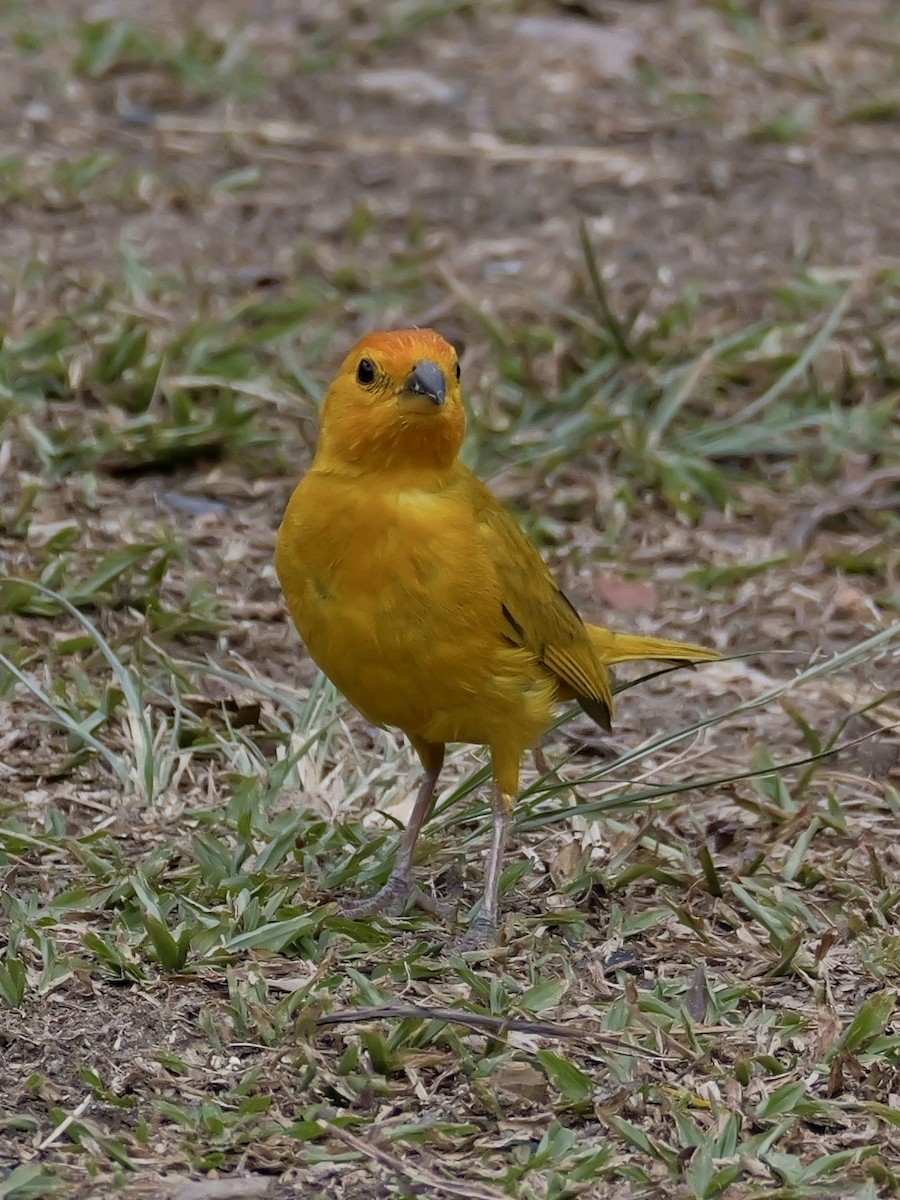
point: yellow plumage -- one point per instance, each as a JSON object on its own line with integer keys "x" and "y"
{"x": 419, "y": 596}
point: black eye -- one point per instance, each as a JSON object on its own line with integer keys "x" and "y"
{"x": 365, "y": 372}
{"x": 458, "y": 372}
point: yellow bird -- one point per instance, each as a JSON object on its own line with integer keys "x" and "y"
{"x": 423, "y": 601}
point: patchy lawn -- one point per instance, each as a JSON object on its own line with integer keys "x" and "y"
{"x": 665, "y": 237}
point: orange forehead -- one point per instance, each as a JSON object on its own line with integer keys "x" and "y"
{"x": 404, "y": 345}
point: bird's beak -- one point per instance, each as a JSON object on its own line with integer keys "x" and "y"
{"x": 426, "y": 388}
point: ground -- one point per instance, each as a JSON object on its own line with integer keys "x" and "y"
{"x": 664, "y": 237}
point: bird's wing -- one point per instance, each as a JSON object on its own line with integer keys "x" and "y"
{"x": 538, "y": 616}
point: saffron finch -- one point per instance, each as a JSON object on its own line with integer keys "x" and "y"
{"x": 423, "y": 601}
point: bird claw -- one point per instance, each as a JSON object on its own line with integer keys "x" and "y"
{"x": 393, "y": 899}
{"x": 480, "y": 934}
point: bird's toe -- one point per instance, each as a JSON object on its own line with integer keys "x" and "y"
{"x": 481, "y": 933}
{"x": 391, "y": 899}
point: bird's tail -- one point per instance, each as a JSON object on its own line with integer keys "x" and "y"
{"x": 614, "y": 648}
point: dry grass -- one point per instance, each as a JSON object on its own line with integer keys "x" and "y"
{"x": 665, "y": 238}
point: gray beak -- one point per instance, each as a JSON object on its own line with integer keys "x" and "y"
{"x": 427, "y": 379}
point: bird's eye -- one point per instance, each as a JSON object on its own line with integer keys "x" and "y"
{"x": 458, "y": 372}
{"x": 365, "y": 372}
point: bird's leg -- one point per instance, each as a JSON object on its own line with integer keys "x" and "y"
{"x": 483, "y": 929}
{"x": 399, "y": 889}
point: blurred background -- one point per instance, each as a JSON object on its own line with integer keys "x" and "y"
{"x": 664, "y": 235}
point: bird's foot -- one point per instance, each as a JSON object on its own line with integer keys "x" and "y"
{"x": 481, "y": 933}
{"x": 393, "y": 898}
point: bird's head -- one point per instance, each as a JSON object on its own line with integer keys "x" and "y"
{"x": 395, "y": 403}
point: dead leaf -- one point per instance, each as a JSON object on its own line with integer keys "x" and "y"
{"x": 520, "y": 1080}
{"x": 611, "y": 51}
{"x": 851, "y": 601}
{"x": 698, "y": 997}
{"x": 626, "y": 595}
{"x": 229, "y": 1188}
{"x": 567, "y": 864}
{"x": 828, "y": 1028}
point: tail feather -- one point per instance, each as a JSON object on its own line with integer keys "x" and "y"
{"x": 614, "y": 648}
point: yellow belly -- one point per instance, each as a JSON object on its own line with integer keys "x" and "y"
{"x": 399, "y": 605}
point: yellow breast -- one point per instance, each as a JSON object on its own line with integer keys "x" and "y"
{"x": 398, "y": 603}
